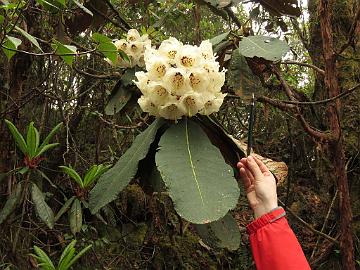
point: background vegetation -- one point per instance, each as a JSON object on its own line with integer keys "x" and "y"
{"x": 320, "y": 141}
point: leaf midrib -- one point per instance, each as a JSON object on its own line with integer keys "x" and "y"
{"x": 191, "y": 163}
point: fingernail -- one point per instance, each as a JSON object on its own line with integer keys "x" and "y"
{"x": 250, "y": 158}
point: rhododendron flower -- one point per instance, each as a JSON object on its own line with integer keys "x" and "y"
{"x": 180, "y": 80}
{"x": 134, "y": 47}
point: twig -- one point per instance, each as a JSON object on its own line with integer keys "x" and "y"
{"x": 115, "y": 75}
{"x": 307, "y": 225}
{"x": 324, "y": 224}
{"x": 319, "y": 70}
{"x": 343, "y": 94}
{"x": 127, "y": 26}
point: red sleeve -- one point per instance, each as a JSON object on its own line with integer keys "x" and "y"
{"x": 274, "y": 245}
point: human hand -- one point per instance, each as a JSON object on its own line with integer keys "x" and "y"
{"x": 260, "y": 185}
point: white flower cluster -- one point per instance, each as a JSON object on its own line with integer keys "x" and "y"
{"x": 180, "y": 80}
{"x": 134, "y": 46}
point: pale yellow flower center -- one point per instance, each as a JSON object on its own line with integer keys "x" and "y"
{"x": 171, "y": 54}
{"x": 194, "y": 80}
{"x": 178, "y": 80}
{"x": 187, "y": 61}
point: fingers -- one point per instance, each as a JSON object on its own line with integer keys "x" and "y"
{"x": 254, "y": 167}
{"x": 262, "y": 166}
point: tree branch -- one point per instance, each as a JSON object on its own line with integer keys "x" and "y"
{"x": 319, "y": 70}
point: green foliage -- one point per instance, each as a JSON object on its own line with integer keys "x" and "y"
{"x": 198, "y": 180}
{"x": 223, "y": 233}
{"x": 42, "y": 209}
{"x": 66, "y": 52}
{"x": 116, "y": 178}
{"x": 30, "y": 147}
{"x": 75, "y": 217}
{"x": 269, "y": 48}
{"x": 90, "y": 177}
{"x": 29, "y": 37}
{"x": 67, "y": 259}
{"x": 11, "y": 43}
{"x": 240, "y": 77}
{"x": 11, "y": 203}
{"x": 106, "y": 47}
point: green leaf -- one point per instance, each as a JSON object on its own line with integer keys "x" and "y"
{"x": 216, "y": 40}
{"x": 51, "y": 5}
{"x": 62, "y": 2}
{"x": 43, "y": 259}
{"x": 83, "y": 8}
{"x": 90, "y": 174}
{"x": 73, "y": 174}
{"x": 66, "y": 256}
{"x": 199, "y": 181}
{"x": 99, "y": 38}
{"x": 75, "y": 217}
{"x": 82, "y": 252}
{"x": 269, "y": 48}
{"x": 64, "y": 208}
{"x": 42, "y": 209}
{"x": 66, "y": 52}
{"x": 45, "y": 148}
{"x": 19, "y": 139}
{"x": 118, "y": 100}
{"x": 29, "y": 37}
{"x": 1, "y": 19}
{"x": 240, "y": 78}
{"x": 32, "y": 140}
{"x": 282, "y": 7}
{"x": 50, "y": 135}
{"x": 223, "y": 233}
{"x": 11, "y": 43}
{"x": 106, "y": 46}
{"x": 116, "y": 178}
{"x": 11, "y": 203}
{"x": 109, "y": 50}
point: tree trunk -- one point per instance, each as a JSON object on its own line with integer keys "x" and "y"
{"x": 335, "y": 147}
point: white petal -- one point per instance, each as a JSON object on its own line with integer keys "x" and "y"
{"x": 121, "y": 44}
{"x": 172, "y": 111}
{"x": 147, "y": 106}
{"x": 199, "y": 79}
{"x": 192, "y": 103}
{"x": 188, "y": 56}
{"x": 133, "y": 35}
{"x": 158, "y": 94}
{"x": 142, "y": 81}
{"x": 206, "y": 50}
{"x": 213, "y": 105}
{"x": 176, "y": 80}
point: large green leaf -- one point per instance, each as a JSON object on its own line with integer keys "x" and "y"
{"x": 217, "y": 39}
{"x": 199, "y": 181}
{"x": 269, "y": 48}
{"x": 223, "y": 233}
{"x": 42, "y": 209}
{"x": 66, "y": 52}
{"x": 116, "y": 178}
{"x": 10, "y": 203}
{"x": 118, "y": 100}
{"x": 11, "y": 43}
{"x": 32, "y": 139}
{"x": 240, "y": 77}
{"x": 282, "y": 7}
{"x": 31, "y": 38}
{"x": 106, "y": 46}
{"x": 19, "y": 139}
{"x": 75, "y": 217}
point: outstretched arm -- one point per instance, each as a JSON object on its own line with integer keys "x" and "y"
{"x": 273, "y": 243}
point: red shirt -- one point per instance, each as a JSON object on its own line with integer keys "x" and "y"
{"x": 274, "y": 245}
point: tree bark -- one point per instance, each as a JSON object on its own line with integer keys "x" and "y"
{"x": 335, "y": 147}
